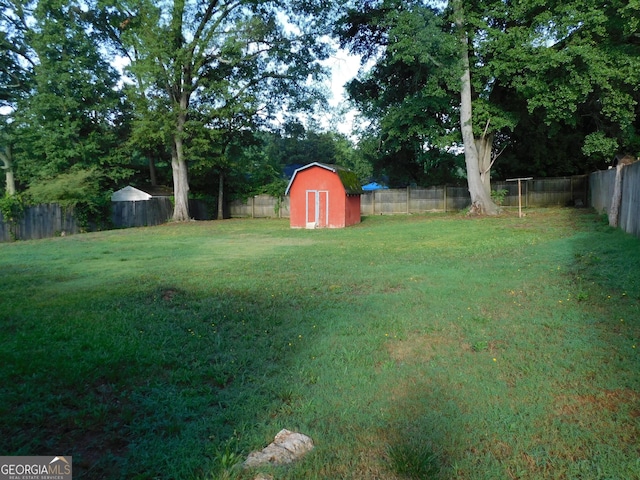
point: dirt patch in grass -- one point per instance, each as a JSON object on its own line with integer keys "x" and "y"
{"x": 367, "y": 461}
{"x": 423, "y": 348}
{"x": 609, "y": 400}
{"x": 97, "y": 435}
{"x": 372, "y": 461}
{"x": 91, "y": 447}
{"x": 167, "y": 294}
{"x": 604, "y": 412}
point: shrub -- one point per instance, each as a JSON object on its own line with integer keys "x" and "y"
{"x": 79, "y": 189}
{"x": 498, "y": 196}
{"x": 12, "y": 209}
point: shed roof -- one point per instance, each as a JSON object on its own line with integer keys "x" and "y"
{"x": 348, "y": 178}
{"x": 157, "y": 190}
{"x": 130, "y": 193}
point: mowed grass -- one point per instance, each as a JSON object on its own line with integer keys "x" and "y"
{"x": 438, "y": 346}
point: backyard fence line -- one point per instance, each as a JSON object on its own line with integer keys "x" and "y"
{"x": 51, "y": 220}
{"x": 155, "y": 211}
{"x": 260, "y": 206}
{"x": 40, "y": 221}
{"x": 142, "y": 213}
{"x": 595, "y": 190}
{"x": 602, "y": 184}
{"x": 544, "y": 192}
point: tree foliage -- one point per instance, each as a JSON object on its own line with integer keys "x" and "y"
{"x": 16, "y": 54}
{"x": 222, "y": 64}
{"x": 573, "y": 67}
{"x": 70, "y": 115}
{"x": 68, "y": 189}
{"x": 552, "y": 84}
{"x": 205, "y": 92}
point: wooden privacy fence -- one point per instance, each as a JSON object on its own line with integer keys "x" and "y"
{"x": 260, "y": 206}
{"x": 155, "y": 211}
{"x": 143, "y": 213}
{"x": 50, "y": 220}
{"x": 602, "y": 184}
{"x": 535, "y": 193}
{"x": 40, "y": 221}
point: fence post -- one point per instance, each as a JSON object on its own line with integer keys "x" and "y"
{"x": 571, "y": 188}
{"x": 408, "y": 197}
{"x": 445, "y": 198}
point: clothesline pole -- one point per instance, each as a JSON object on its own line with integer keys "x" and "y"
{"x": 519, "y": 180}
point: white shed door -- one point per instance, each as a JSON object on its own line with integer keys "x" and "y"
{"x": 317, "y": 208}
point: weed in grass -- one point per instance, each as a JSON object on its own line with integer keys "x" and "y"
{"x": 229, "y": 458}
{"x": 480, "y": 346}
{"x": 582, "y": 296}
{"x": 414, "y": 460}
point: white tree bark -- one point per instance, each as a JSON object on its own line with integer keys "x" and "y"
{"x": 481, "y": 202}
{"x": 221, "y": 196}
{"x": 179, "y": 166}
{"x": 10, "y": 183}
{"x": 484, "y": 145}
{"x": 616, "y": 199}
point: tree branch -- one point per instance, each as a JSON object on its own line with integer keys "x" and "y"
{"x": 486, "y": 127}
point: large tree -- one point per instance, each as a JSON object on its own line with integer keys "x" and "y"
{"x": 477, "y": 149}
{"x": 182, "y": 51}
{"x": 69, "y": 115}
{"x": 570, "y": 66}
{"x": 16, "y": 69}
{"x": 405, "y": 96}
{"x": 577, "y": 64}
{"x": 420, "y": 83}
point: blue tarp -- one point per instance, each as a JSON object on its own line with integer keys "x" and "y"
{"x": 373, "y": 186}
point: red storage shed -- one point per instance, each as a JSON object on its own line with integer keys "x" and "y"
{"x": 323, "y": 196}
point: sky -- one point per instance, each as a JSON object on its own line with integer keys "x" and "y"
{"x": 344, "y": 67}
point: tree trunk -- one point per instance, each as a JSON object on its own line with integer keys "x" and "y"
{"x": 484, "y": 145}
{"x": 481, "y": 202}
{"x": 220, "y": 196}
{"x": 180, "y": 182}
{"x": 152, "y": 171}
{"x": 179, "y": 168}
{"x": 10, "y": 183}
{"x": 616, "y": 200}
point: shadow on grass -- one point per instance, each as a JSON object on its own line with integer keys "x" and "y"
{"x": 154, "y": 379}
{"x": 154, "y": 384}
{"x": 421, "y": 432}
{"x": 574, "y": 413}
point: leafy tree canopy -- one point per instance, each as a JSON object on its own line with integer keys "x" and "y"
{"x": 220, "y": 65}
{"x": 552, "y": 83}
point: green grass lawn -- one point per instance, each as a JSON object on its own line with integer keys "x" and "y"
{"x": 435, "y": 346}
